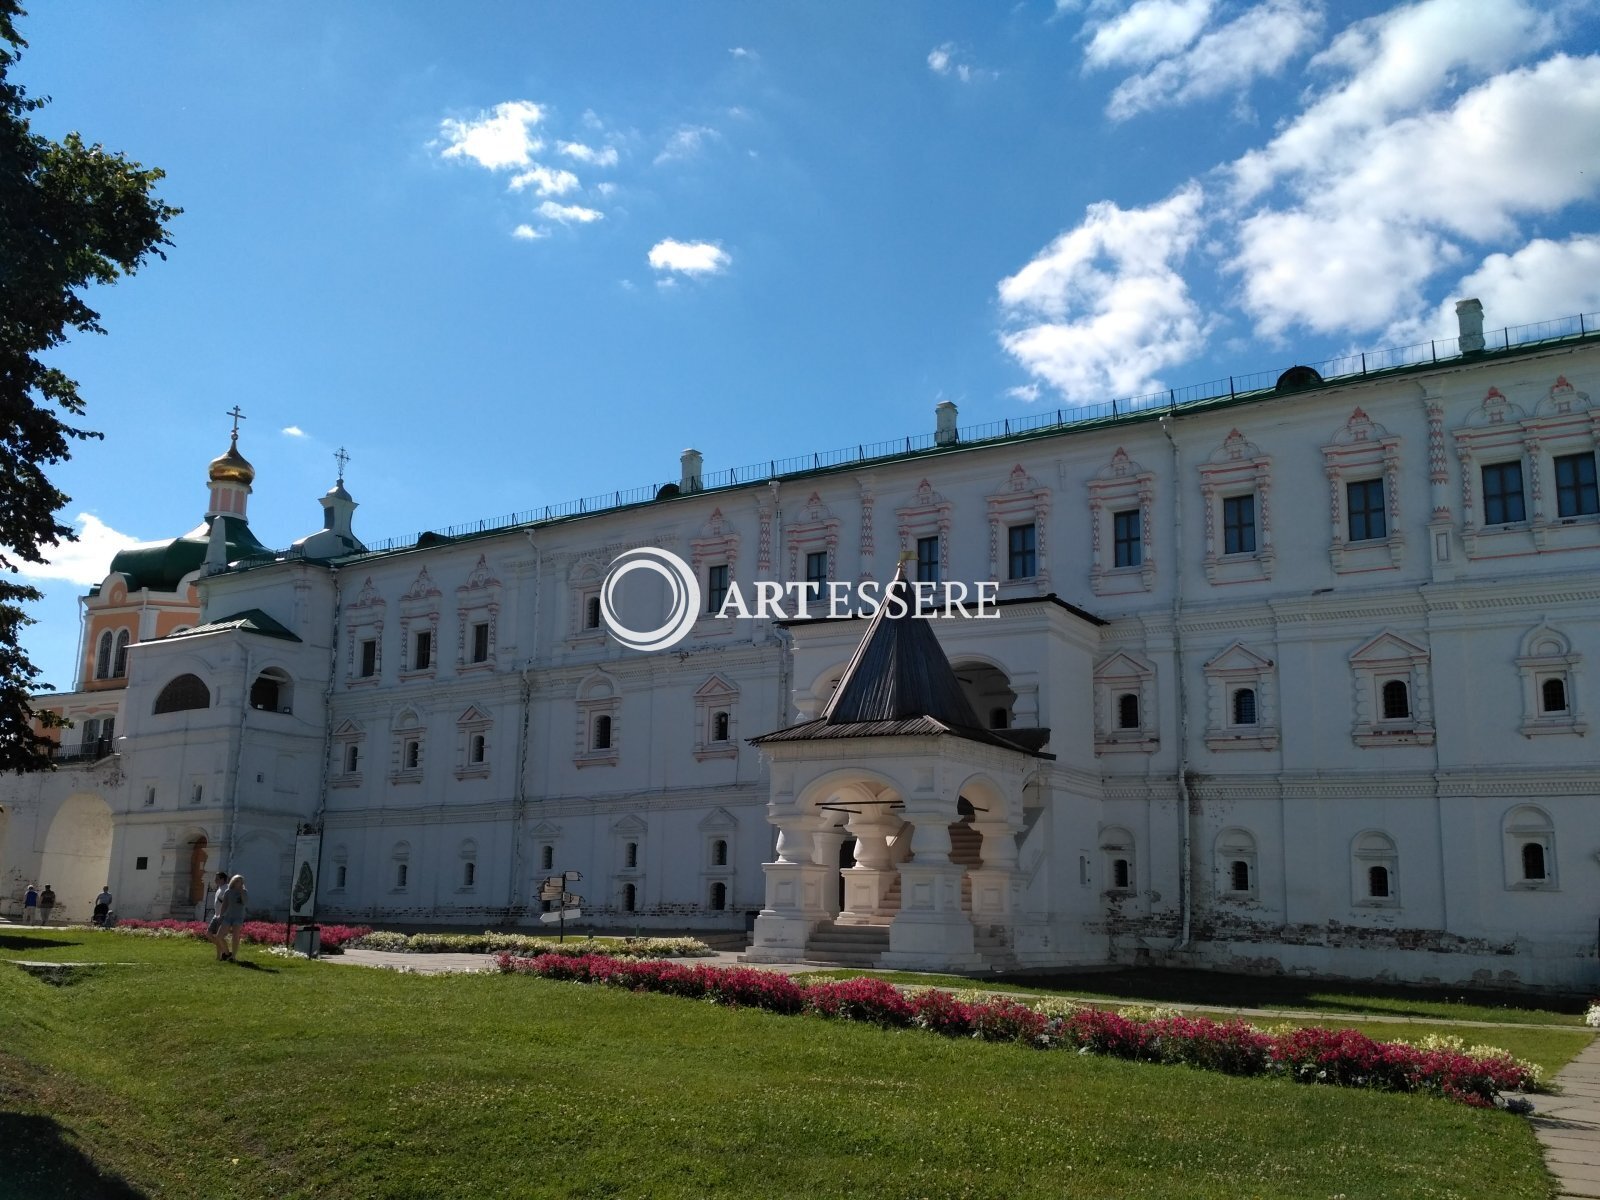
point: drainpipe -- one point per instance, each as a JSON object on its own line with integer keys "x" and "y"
{"x": 327, "y": 704}
{"x": 1185, "y": 832}
{"x": 520, "y": 793}
{"x": 233, "y": 769}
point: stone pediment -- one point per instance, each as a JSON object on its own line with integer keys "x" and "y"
{"x": 1388, "y": 647}
{"x": 1238, "y": 657}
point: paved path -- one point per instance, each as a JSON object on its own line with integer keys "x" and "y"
{"x": 1568, "y": 1126}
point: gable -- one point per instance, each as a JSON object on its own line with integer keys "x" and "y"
{"x": 1239, "y": 657}
{"x": 1388, "y": 647}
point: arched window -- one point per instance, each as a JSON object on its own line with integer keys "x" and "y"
{"x": 1378, "y": 882}
{"x": 719, "y": 896}
{"x": 602, "y": 733}
{"x": 1553, "y": 696}
{"x": 1375, "y": 861}
{"x": 1239, "y": 875}
{"x": 352, "y": 758}
{"x": 999, "y": 718}
{"x": 91, "y": 733}
{"x": 630, "y": 897}
{"x": 102, "y": 657}
{"x": 1244, "y": 706}
{"x": 1128, "y": 710}
{"x": 1120, "y": 877}
{"x": 413, "y": 754}
{"x": 719, "y": 727}
{"x": 547, "y": 858}
{"x": 469, "y": 874}
{"x": 630, "y": 855}
{"x": 591, "y": 613}
{"x": 1533, "y": 868}
{"x": 719, "y": 853}
{"x": 271, "y": 692}
{"x": 475, "y": 749}
{"x": 183, "y": 693}
{"x": 119, "y": 659}
{"x": 1236, "y": 863}
{"x": 1396, "y": 701}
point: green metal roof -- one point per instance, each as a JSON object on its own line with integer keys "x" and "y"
{"x": 251, "y": 620}
{"x": 160, "y": 566}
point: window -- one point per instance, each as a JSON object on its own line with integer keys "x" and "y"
{"x": 141, "y": 863}
{"x": 150, "y": 797}
{"x": 402, "y": 872}
{"x": 928, "y": 559}
{"x": 602, "y": 733}
{"x": 480, "y": 641}
{"x": 341, "y": 875}
{"x": 119, "y": 661}
{"x": 369, "y": 658}
{"x": 547, "y": 858}
{"x": 91, "y": 733}
{"x": 1378, "y": 883}
{"x": 422, "y": 651}
{"x": 816, "y": 571}
{"x": 591, "y": 613}
{"x": 719, "y": 853}
{"x": 1236, "y": 864}
{"x": 1119, "y": 873}
{"x": 1239, "y": 875}
{"x": 1576, "y": 493}
{"x": 1502, "y": 493}
{"x": 1244, "y": 706}
{"x": 1533, "y": 869}
{"x": 413, "y": 754}
{"x": 273, "y": 691}
{"x": 630, "y": 897}
{"x": 1116, "y": 843}
{"x": 1239, "y": 524}
{"x": 1374, "y": 866}
{"x": 1128, "y": 711}
{"x": 1022, "y": 561}
{"x": 719, "y": 896}
{"x": 630, "y": 855}
{"x": 352, "y": 758}
{"x": 719, "y": 727}
{"x": 1530, "y": 849}
{"x": 1396, "y": 701}
{"x": 476, "y": 746}
{"x": 469, "y": 874}
{"x": 183, "y": 693}
{"x": 1553, "y": 696}
{"x": 1127, "y": 542}
{"x": 999, "y": 718}
{"x": 716, "y": 587}
{"x": 1367, "y": 512}
{"x": 197, "y": 794}
{"x": 102, "y": 657}
{"x": 1550, "y": 698}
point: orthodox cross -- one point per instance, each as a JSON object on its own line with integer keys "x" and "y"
{"x": 341, "y": 458}
{"x": 237, "y": 416}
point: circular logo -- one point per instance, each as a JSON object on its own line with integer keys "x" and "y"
{"x": 682, "y": 587}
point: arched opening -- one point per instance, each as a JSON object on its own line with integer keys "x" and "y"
{"x": 719, "y": 727}
{"x": 1396, "y": 701}
{"x": 847, "y": 859}
{"x": 630, "y": 898}
{"x": 1120, "y": 878}
{"x": 719, "y": 896}
{"x": 102, "y": 656}
{"x": 1378, "y": 882}
{"x": 273, "y": 691}
{"x": 181, "y": 694}
{"x": 1553, "y": 696}
{"x": 630, "y": 855}
{"x": 195, "y": 890}
{"x": 719, "y": 853}
{"x": 602, "y": 733}
{"x": 1533, "y": 867}
{"x": 1239, "y": 875}
{"x": 119, "y": 657}
{"x": 547, "y": 858}
{"x": 77, "y": 854}
{"x": 1244, "y": 706}
{"x": 1128, "y": 710}
{"x": 989, "y": 691}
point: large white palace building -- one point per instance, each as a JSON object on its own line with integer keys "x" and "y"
{"x": 1292, "y": 674}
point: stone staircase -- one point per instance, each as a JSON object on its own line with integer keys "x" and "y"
{"x": 837, "y": 945}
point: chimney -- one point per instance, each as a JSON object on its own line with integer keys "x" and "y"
{"x": 690, "y": 480}
{"x": 216, "y": 547}
{"x": 944, "y": 433}
{"x": 1470, "y": 315}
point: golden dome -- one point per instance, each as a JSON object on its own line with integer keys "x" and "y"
{"x": 232, "y": 467}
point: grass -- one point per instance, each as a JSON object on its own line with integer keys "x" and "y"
{"x": 1184, "y": 988}
{"x": 182, "y": 1077}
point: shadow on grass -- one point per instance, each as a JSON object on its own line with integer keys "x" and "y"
{"x": 23, "y": 941}
{"x": 1257, "y": 991}
{"x": 254, "y": 966}
{"x": 38, "y": 1160}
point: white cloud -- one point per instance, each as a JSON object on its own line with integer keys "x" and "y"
{"x": 1147, "y": 31}
{"x": 945, "y": 60}
{"x": 1102, "y": 309}
{"x": 1542, "y": 280}
{"x": 605, "y": 189}
{"x": 741, "y": 52}
{"x": 568, "y": 214}
{"x": 686, "y": 143}
{"x": 85, "y": 561}
{"x": 1258, "y": 42}
{"x": 500, "y": 138}
{"x": 546, "y": 181}
{"x": 939, "y": 58}
{"x": 605, "y": 156}
{"x": 293, "y": 431}
{"x": 689, "y": 258}
{"x": 528, "y": 233}
{"x": 1027, "y": 393}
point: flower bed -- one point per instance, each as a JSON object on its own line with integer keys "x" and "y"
{"x": 494, "y": 942}
{"x": 1343, "y": 1057}
{"x": 258, "y": 933}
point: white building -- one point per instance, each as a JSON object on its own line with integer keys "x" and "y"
{"x": 1287, "y": 678}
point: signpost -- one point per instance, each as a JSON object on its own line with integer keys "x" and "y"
{"x": 554, "y": 890}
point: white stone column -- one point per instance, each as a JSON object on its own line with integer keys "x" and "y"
{"x": 930, "y": 932}
{"x": 867, "y": 881}
{"x": 996, "y": 886}
{"x": 795, "y": 892}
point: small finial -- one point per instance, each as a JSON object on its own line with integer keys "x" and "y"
{"x": 237, "y": 416}
{"x": 341, "y": 458}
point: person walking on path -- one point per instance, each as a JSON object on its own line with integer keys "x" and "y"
{"x": 214, "y": 927}
{"x": 30, "y": 905}
{"x": 230, "y": 906}
{"x": 102, "y": 905}
{"x": 47, "y": 902}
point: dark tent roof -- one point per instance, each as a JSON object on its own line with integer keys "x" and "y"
{"x": 899, "y": 683}
{"x": 251, "y": 620}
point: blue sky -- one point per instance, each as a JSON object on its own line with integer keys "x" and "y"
{"x": 509, "y": 255}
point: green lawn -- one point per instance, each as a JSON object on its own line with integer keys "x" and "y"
{"x": 1181, "y": 988}
{"x": 188, "y": 1078}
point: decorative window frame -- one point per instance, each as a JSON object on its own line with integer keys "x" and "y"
{"x": 598, "y": 695}
{"x": 1236, "y": 844}
{"x": 1237, "y": 468}
{"x": 927, "y": 515}
{"x": 1376, "y": 662}
{"x": 815, "y": 530}
{"x": 346, "y": 735}
{"x": 340, "y": 860}
{"x": 1362, "y": 450}
{"x": 715, "y": 695}
{"x": 716, "y": 545}
{"x": 1121, "y": 673}
{"x": 630, "y": 829}
{"x": 400, "y": 857}
{"x": 419, "y": 613}
{"x": 583, "y": 585}
{"x": 1547, "y": 654}
{"x": 470, "y": 724}
{"x": 1373, "y": 848}
{"x": 468, "y": 854}
{"x": 364, "y": 618}
{"x": 119, "y": 653}
{"x": 1565, "y": 421}
{"x": 1021, "y": 500}
{"x": 1522, "y": 824}
{"x": 1237, "y": 667}
{"x": 719, "y": 825}
{"x": 477, "y": 602}
{"x": 1123, "y": 486}
{"x": 1117, "y": 843}
{"x": 407, "y": 727}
